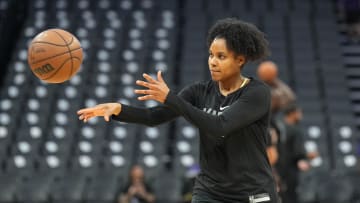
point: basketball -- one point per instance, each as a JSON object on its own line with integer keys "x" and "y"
{"x": 55, "y": 55}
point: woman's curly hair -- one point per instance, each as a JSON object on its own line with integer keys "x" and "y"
{"x": 241, "y": 37}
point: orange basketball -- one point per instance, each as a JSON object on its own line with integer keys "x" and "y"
{"x": 55, "y": 55}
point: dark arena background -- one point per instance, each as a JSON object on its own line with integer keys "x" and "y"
{"x": 48, "y": 155}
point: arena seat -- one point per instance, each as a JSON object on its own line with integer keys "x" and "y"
{"x": 186, "y": 148}
{"x": 9, "y": 186}
{"x": 104, "y": 188}
{"x": 337, "y": 189}
{"x": 35, "y": 188}
{"x": 70, "y": 188}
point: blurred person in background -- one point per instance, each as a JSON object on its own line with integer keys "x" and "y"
{"x": 188, "y": 183}
{"x": 137, "y": 190}
{"x": 349, "y": 11}
{"x": 292, "y": 155}
{"x": 273, "y": 155}
{"x": 281, "y": 97}
{"x": 282, "y": 94}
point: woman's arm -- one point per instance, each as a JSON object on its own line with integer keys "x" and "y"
{"x": 251, "y": 106}
{"x": 120, "y": 112}
{"x": 147, "y": 116}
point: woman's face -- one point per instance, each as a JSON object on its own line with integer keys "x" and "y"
{"x": 137, "y": 174}
{"x": 223, "y": 63}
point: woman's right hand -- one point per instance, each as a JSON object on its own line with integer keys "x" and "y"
{"x": 106, "y": 110}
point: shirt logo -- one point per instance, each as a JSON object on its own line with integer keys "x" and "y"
{"x": 211, "y": 111}
{"x": 223, "y": 108}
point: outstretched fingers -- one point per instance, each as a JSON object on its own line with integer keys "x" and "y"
{"x": 86, "y": 116}
{"x": 147, "y": 91}
{"x": 156, "y": 88}
{"x": 105, "y": 110}
{"x": 149, "y": 78}
{"x": 85, "y": 110}
{"x": 144, "y": 84}
{"x": 147, "y": 97}
{"x": 88, "y": 113}
{"x": 160, "y": 78}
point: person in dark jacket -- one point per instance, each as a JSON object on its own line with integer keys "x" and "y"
{"x": 292, "y": 155}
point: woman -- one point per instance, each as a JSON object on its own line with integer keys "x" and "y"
{"x": 137, "y": 190}
{"x": 231, "y": 112}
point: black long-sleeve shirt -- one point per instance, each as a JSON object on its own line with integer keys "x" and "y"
{"x": 233, "y": 136}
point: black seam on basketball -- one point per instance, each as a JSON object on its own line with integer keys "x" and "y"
{"x": 35, "y": 62}
{"x": 43, "y": 42}
{"x": 57, "y": 70}
{"x": 72, "y": 64}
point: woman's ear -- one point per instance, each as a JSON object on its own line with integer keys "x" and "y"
{"x": 241, "y": 60}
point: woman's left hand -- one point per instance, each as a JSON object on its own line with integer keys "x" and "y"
{"x": 156, "y": 89}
